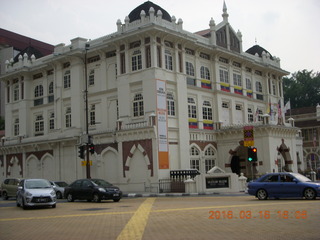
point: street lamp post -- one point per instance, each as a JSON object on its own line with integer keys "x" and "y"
{"x": 86, "y": 112}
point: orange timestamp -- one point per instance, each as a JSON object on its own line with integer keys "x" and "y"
{"x": 266, "y": 214}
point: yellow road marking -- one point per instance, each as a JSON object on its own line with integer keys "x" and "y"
{"x": 136, "y": 225}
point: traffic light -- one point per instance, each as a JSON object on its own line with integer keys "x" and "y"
{"x": 91, "y": 148}
{"x": 252, "y": 154}
{"x": 81, "y": 152}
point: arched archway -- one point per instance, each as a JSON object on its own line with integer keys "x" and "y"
{"x": 110, "y": 165}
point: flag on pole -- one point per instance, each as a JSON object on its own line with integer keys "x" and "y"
{"x": 287, "y": 106}
{"x": 279, "y": 108}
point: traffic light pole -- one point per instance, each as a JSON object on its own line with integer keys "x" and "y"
{"x": 86, "y": 112}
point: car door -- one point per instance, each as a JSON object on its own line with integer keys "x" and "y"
{"x": 75, "y": 189}
{"x": 12, "y": 187}
{"x": 87, "y": 189}
{"x": 289, "y": 187}
{"x": 271, "y": 185}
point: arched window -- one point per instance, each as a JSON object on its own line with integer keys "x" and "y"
{"x": 38, "y": 91}
{"x": 189, "y": 69}
{"x": 258, "y": 86}
{"x": 205, "y": 73}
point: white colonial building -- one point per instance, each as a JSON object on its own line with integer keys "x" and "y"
{"x": 159, "y": 98}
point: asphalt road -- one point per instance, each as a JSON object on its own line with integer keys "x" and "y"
{"x": 193, "y": 217}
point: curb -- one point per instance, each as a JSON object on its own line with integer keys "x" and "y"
{"x": 137, "y": 195}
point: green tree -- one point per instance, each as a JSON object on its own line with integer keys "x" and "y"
{"x": 302, "y": 88}
{"x": 1, "y": 123}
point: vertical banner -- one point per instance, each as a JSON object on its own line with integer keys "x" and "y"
{"x": 162, "y": 124}
{"x": 248, "y": 136}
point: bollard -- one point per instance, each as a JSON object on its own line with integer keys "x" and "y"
{"x": 242, "y": 183}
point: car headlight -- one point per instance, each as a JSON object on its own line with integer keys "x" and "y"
{"x": 53, "y": 193}
{"x": 101, "y": 189}
{"x": 28, "y": 194}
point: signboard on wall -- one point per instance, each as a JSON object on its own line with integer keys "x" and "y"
{"x": 163, "y": 154}
{"x": 217, "y": 182}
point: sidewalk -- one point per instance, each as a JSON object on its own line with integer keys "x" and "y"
{"x": 145, "y": 194}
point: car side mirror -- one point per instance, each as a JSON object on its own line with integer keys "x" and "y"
{"x": 295, "y": 180}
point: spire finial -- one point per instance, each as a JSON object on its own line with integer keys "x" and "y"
{"x": 225, "y": 14}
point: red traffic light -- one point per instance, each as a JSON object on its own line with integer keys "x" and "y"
{"x": 254, "y": 150}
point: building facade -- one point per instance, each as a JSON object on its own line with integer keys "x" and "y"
{"x": 152, "y": 98}
{"x": 308, "y": 120}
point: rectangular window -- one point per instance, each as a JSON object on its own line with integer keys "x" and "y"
{"x": 68, "y": 117}
{"x": 171, "y": 105}
{"x": 136, "y": 61}
{"x": 148, "y": 57}
{"x": 51, "y": 121}
{"x": 16, "y": 127}
{"x": 195, "y": 164}
{"x": 93, "y": 115}
{"x": 237, "y": 79}
{"x": 123, "y": 63}
{"x": 168, "y": 60}
{"x": 250, "y": 115}
{"x": 39, "y": 125}
{"x": 224, "y": 76}
{"x": 91, "y": 77}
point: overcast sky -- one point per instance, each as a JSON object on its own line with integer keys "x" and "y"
{"x": 288, "y": 29}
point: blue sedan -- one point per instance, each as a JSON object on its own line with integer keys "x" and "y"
{"x": 284, "y": 185}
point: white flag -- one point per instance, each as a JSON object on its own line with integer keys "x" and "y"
{"x": 287, "y": 106}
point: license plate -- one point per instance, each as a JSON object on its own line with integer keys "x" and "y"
{"x": 116, "y": 194}
{"x": 42, "y": 200}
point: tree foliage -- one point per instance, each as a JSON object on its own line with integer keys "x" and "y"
{"x": 302, "y": 88}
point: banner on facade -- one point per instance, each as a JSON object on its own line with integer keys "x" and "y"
{"x": 248, "y": 137}
{"x": 163, "y": 155}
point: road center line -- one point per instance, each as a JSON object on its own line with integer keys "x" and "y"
{"x": 135, "y": 227}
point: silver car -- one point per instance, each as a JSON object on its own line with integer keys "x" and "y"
{"x": 36, "y": 192}
{"x": 59, "y": 188}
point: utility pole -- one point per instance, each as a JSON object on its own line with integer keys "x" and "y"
{"x": 86, "y": 112}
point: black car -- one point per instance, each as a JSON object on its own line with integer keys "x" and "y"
{"x": 92, "y": 190}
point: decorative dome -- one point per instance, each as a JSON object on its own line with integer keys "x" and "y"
{"x": 135, "y": 13}
{"x": 256, "y": 49}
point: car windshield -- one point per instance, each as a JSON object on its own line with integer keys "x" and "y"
{"x": 61, "y": 184}
{"x": 37, "y": 183}
{"x": 101, "y": 183}
{"x": 301, "y": 178}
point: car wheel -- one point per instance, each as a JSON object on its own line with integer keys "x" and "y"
{"x": 116, "y": 200}
{"x": 18, "y": 204}
{"x": 309, "y": 194}
{"x": 96, "y": 198}
{"x": 262, "y": 194}
{"x": 70, "y": 197}
{"x": 23, "y": 205}
{"x": 4, "y": 195}
{"x": 59, "y": 195}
